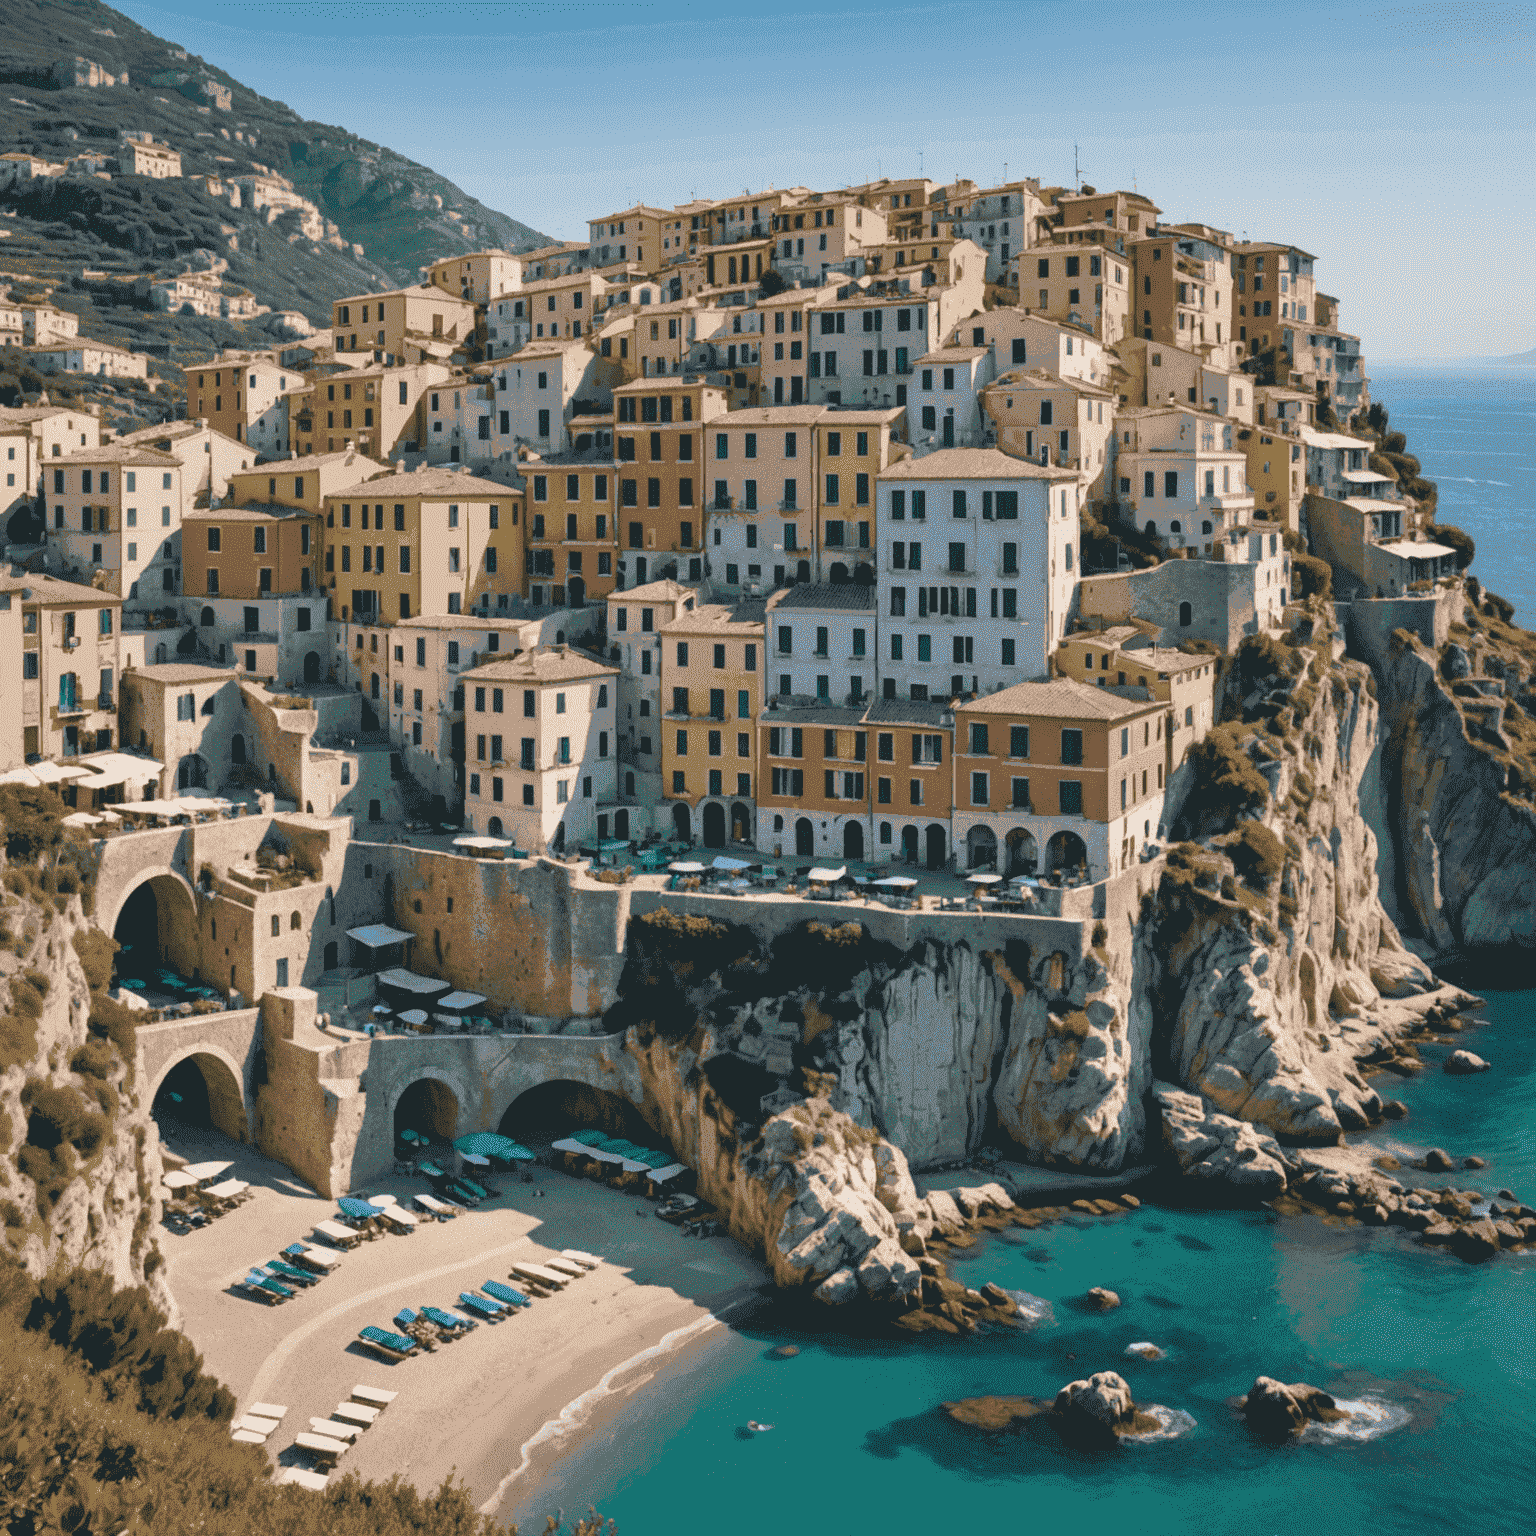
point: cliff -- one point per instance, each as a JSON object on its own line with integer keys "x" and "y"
{"x": 1457, "y": 780}
{"x": 82, "y": 1156}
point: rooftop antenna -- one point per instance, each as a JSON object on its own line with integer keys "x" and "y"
{"x": 920, "y": 162}
{"x": 1076, "y": 169}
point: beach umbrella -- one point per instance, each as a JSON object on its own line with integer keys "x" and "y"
{"x": 897, "y": 882}
{"x": 983, "y": 879}
{"x": 359, "y": 1210}
{"x": 686, "y": 867}
{"x": 489, "y": 1144}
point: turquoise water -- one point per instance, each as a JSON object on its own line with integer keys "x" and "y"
{"x": 858, "y": 1443}
{"x": 1474, "y": 431}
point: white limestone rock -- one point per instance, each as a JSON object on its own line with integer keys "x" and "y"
{"x": 1207, "y": 1145}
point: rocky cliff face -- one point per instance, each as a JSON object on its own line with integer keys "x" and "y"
{"x": 1458, "y": 775}
{"x": 82, "y": 1161}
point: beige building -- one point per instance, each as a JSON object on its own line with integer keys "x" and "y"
{"x": 539, "y": 738}
{"x": 477, "y": 275}
{"x": 208, "y": 457}
{"x": 136, "y": 157}
{"x": 407, "y": 325}
{"x": 1039, "y": 415}
{"x": 1090, "y": 287}
{"x": 376, "y": 410}
{"x": 95, "y": 358}
{"x": 631, "y": 236}
{"x": 243, "y": 396}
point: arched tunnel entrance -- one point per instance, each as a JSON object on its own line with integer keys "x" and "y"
{"x": 156, "y": 927}
{"x": 430, "y": 1108}
{"x": 200, "y": 1094}
{"x": 552, "y": 1110}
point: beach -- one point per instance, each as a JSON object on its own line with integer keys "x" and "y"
{"x": 471, "y": 1407}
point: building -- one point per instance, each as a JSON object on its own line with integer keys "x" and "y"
{"x": 44, "y": 324}
{"x": 636, "y": 619}
{"x": 208, "y": 457}
{"x": 998, "y": 220}
{"x": 1036, "y": 414}
{"x": 911, "y": 743}
{"x": 404, "y": 326}
{"x": 192, "y": 719}
{"x": 426, "y": 541}
{"x": 70, "y": 665}
{"x": 711, "y": 682}
{"x": 632, "y": 236}
{"x": 535, "y": 396}
{"x": 1088, "y": 287}
{"x": 1057, "y": 775}
{"x": 824, "y": 232}
{"x": 478, "y": 276}
{"x": 572, "y": 537}
{"x": 1276, "y": 473}
{"x": 1184, "y": 290}
{"x": 822, "y": 645}
{"x": 89, "y": 357}
{"x": 118, "y": 510}
{"x": 12, "y": 685}
{"x": 1371, "y": 546}
{"x": 1276, "y": 291}
{"x": 377, "y": 410}
{"x": 539, "y": 733}
{"x": 1181, "y": 475}
{"x": 945, "y": 408}
{"x": 813, "y": 773}
{"x": 1151, "y": 373}
{"x": 984, "y": 599}
{"x": 144, "y": 157}
{"x": 303, "y": 483}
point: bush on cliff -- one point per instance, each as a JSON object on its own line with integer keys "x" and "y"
{"x": 1463, "y": 543}
{"x": 1311, "y": 577}
{"x": 1257, "y": 854}
{"x": 1227, "y": 784}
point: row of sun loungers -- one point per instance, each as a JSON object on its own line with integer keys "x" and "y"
{"x": 329, "y": 1438}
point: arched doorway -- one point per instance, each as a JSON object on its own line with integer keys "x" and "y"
{"x": 192, "y": 772}
{"x": 714, "y": 825}
{"x": 237, "y": 748}
{"x": 682, "y": 823}
{"x": 155, "y": 926}
{"x": 802, "y": 570}
{"x": 741, "y": 823}
{"x": 981, "y": 848}
{"x": 621, "y": 823}
{"x": 1023, "y": 852}
{"x": 1066, "y": 850}
{"x": 853, "y": 840}
{"x": 206, "y": 619}
{"x": 332, "y": 957}
{"x": 555, "y": 1109}
{"x": 909, "y": 844}
{"x": 805, "y": 836}
{"x": 428, "y": 1107}
{"x": 312, "y": 666}
{"x": 493, "y": 827}
{"x": 838, "y": 575}
{"x": 200, "y": 1093}
{"x": 937, "y": 846}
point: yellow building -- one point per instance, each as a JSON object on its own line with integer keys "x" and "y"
{"x": 852, "y": 448}
{"x": 401, "y": 324}
{"x": 302, "y": 483}
{"x": 711, "y": 687}
{"x": 633, "y": 235}
{"x": 1184, "y": 296}
{"x": 572, "y": 537}
{"x": 376, "y": 410}
{"x": 250, "y": 552}
{"x": 477, "y": 275}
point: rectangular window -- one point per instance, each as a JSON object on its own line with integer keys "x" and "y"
{"x": 1071, "y": 797}
{"x": 1071, "y": 746}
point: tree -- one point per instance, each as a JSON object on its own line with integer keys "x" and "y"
{"x": 1461, "y": 542}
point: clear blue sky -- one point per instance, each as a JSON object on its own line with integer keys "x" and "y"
{"x": 1394, "y": 141}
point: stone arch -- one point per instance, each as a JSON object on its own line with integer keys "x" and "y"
{"x": 981, "y": 847}
{"x": 552, "y": 1109}
{"x": 175, "y": 915}
{"x": 431, "y": 1103}
{"x": 228, "y": 1108}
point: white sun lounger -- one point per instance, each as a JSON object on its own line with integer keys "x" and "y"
{"x": 321, "y": 1445}
{"x": 580, "y": 1256}
{"x": 334, "y": 1429}
{"x": 355, "y": 1413}
{"x": 374, "y": 1397}
{"x": 346, "y": 1236}
{"x": 248, "y": 1437}
{"x": 255, "y": 1424}
{"x": 435, "y": 1207}
{"x": 326, "y": 1256}
{"x": 539, "y": 1273}
{"x": 302, "y": 1477}
{"x": 565, "y": 1267}
{"x": 399, "y": 1216}
{"x": 267, "y": 1410}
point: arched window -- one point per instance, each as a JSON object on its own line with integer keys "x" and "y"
{"x": 493, "y": 826}
{"x": 293, "y": 921}
{"x": 885, "y": 833}
{"x": 1175, "y": 526}
{"x": 1186, "y": 615}
{"x": 207, "y": 618}
{"x": 1151, "y": 528}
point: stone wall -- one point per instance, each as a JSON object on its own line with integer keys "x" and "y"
{"x": 1222, "y": 595}
{"x": 1368, "y": 623}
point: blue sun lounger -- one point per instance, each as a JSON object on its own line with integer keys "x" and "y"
{"x": 392, "y": 1346}
{"x": 505, "y": 1293}
{"x": 291, "y": 1274}
{"x": 491, "y": 1310}
{"x": 448, "y": 1319}
{"x": 258, "y": 1280}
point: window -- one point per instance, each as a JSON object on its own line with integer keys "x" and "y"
{"x": 1071, "y": 791}
{"x": 980, "y": 790}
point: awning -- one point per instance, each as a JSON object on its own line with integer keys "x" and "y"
{"x": 228, "y": 1189}
{"x": 1366, "y": 477}
{"x": 107, "y": 768}
{"x": 178, "y": 1178}
{"x": 827, "y": 876}
{"x": 730, "y": 865}
{"x": 475, "y": 1159}
{"x": 489, "y": 1144}
{"x": 82, "y": 819}
{"x": 984, "y": 878}
{"x": 457, "y": 1002}
{"x": 409, "y": 981}
{"x": 415, "y": 1017}
{"x": 379, "y": 935}
{"x": 896, "y": 882}
{"x": 483, "y": 843}
{"x": 686, "y": 867}
{"x": 1408, "y": 550}
{"x": 201, "y": 1171}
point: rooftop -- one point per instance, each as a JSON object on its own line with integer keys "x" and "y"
{"x": 907, "y": 712}
{"x": 123, "y": 453}
{"x": 827, "y": 595}
{"x": 1061, "y": 698}
{"x": 257, "y": 513}
{"x": 719, "y": 616}
{"x": 174, "y": 673}
{"x": 436, "y": 480}
{"x": 663, "y": 591}
{"x": 972, "y": 464}
{"x": 38, "y": 588}
{"x": 546, "y": 664}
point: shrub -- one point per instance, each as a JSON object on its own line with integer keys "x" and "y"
{"x": 34, "y": 821}
{"x": 1311, "y": 577}
{"x": 1462, "y": 543}
{"x": 1499, "y": 607}
{"x": 56, "y": 1116}
{"x": 1226, "y": 782}
{"x": 1256, "y": 853}
{"x": 95, "y": 950}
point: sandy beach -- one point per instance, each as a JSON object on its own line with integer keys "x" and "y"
{"x": 474, "y": 1405}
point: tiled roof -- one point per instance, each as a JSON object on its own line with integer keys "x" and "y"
{"x": 823, "y": 595}
{"x": 547, "y": 664}
{"x": 1061, "y": 698}
{"x": 972, "y": 464}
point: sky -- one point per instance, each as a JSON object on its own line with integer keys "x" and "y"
{"x": 1393, "y": 141}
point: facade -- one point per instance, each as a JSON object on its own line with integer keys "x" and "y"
{"x": 208, "y": 457}
{"x": 144, "y": 157}
{"x": 998, "y": 220}
{"x": 711, "y": 692}
{"x": 244, "y": 398}
{"x": 1057, "y": 775}
{"x": 478, "y": 276}
{"x": 1090, "y": 288}
{"x": 977, "y": 564}
{"x": 822, "y": 645}
{"x": 862, "y": 347}
{"x": 1182, "y": 475}
{"x": 813, "y": 771}
{"x": 1184, "y": 295}
{"x": 192, "y": 719}
{"x": 911, "y": 780}
{"x": 404, "y": 325}
{"x": 572, "y": 537}
{"x": 372, "y": 410}
{"x": 539, "y": 733}
{"x": 1039, "y": 415}
{"x": 1370, "y": 549}
{"x": 945, "y": 406}
{"x": 92, "y": 357}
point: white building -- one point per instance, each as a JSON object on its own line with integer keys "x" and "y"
{"x": 1181, "y": 475}
{"x": 861, "y": 348}
{"x": 945, "y": 409}
{"x": 540, "y": 749}
{"x": 1019, "y": 339}
{"x": 277, "y": 637}
{"x": 998, "y": 220}
{"x": 823, "y": 645}
{"x": 977, "y": 565}
{"x": 208, "y": 458}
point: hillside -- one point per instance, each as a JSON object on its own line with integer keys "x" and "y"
{"x": 401, "y": 214}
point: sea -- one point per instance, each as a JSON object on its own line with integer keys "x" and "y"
{"x": 1438, "y": 1356}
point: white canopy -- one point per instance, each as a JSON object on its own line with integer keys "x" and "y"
{"x": 457, "y": 1002}
{"x": 983, "y": 878}
{"x": 414, "y": 1016}
{"x": 1366, "y": 477}
{"x": 382, "y": 1200}
{"x": 897, "y": 882}
{"x": 178, "y": 1178}
{"x": 201, "y": 1171}
{"x": 107, "y": 768}
{"x": 228, "y": 1189}
{"x": 43, "y": 773}
{"x": 482, "y": 842}
{"x": 409, "y": 981}
{"x": 730, "y": 865}
{"x": 828, "y": 876}
{"x": 81, "y": 819}
{"x": 379, "y": 935}
{"x": 686, "y": 867}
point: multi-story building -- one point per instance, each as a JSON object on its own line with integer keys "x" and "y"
{"x": 631, "y": 236}
{"x": 1088, "y": 287}
{"x": 71, "y": 661}
{"x": 1276, "y": 291}
{"x": 478, "y": 276}
{"x": 711, "y": 691}
{"x": 911, "y": 779}
{"x": 826, "y": 231}
{"x": 54, "y": 430}
{"x": 1182, "y": 475}
{"x": 118, "y": 510}
{"x": 89, "y": 357}
{"x": 862, "y": 346}
{"x": 1019, "y": 338}
{"x": 1057, "y": 775}
{"x": 1184, "y": 295}
{"x": 555, "y": 309}
{"x": 1276, "y": 473}
{"x": 984, "y": 597}
{"x": 404, "y": 326}
{"x": 539, "y": 742}
{"x": 208, "y": 457}
{"x": 853, "y": 447}
{"x": 945, "y": 407}
{"x": 813, "y": 775}
{"x": 376, "y": 410}
{"x": 243, "y": 395}
{"x": 428, "y": 541}
{"x": 12, "y": 687}
{"x": 536, "y": 394}
{"x": 659, "y": 430}
{"x": 1127, "y": 213}
{"x": 572, "y": 537}
{"x": 822, "y": 645}
{"x": 144, "y": 157}
{"x": 636, "y": 618}
{"x": 43, "y": 325}
{"x": 998, "y": 220}
{"x": 1152, "y": 373}
{"x": 1036, "y": 414}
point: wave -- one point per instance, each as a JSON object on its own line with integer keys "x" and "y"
{"x": 1172, "y": 1424}
{"x": 1369, "y": 1419}
{"x": 1034, "y": 1311}
{"x": 575, "y": 1414}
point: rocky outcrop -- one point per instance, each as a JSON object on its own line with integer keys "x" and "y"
{"x": 1092, "y": 1414}
{"x": 82, "y": 1164}
{"x": 1458, "y": 775}
{"x": 1276, "y": 1410}
{"x": 1464, "y": 1064}
{"x": 1217, "y": 1150}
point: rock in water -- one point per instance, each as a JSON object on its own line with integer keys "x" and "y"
{"x": 1438, "y": 1160}
{"x": 1475, "y": 1241}
{"x": 1473, "y": 1163}
{"x": 1143, "y": 1350}
{"x": 995, "y": 1414}
{"x": 1102, "y": 1300}
{"x": 1464, "y": 1064}
{"x": 1276, "y": 1410}
{"x": 784, "y": 1352}
{"x": 1096, "y": 1412}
